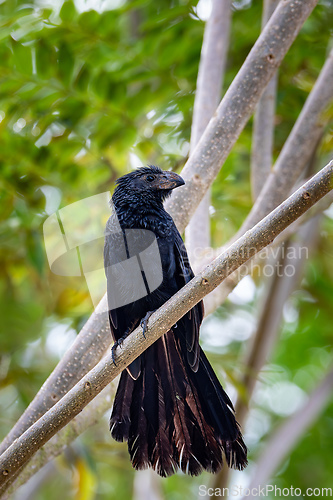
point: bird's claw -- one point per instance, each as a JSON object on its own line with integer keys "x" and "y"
{"x": 144, "y": 323}
{"x": 118, "y": 343}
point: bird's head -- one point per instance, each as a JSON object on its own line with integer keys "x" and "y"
{"x": 147, "y": 185}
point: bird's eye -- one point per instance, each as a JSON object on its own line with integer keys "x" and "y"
{"x": 150, "y": 178}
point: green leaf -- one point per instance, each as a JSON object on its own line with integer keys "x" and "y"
{"x": 82, "y": 79}
{"x": 68, "y": 11}
{"x": 35, "y": 251}
{"x": 22, "y": 57}
{"x": 45, "y": 59}
{"x": 65, "y": 63}
{"x": 89, "y": 20}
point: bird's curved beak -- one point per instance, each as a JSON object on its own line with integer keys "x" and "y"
{"x": 170, "y": 180}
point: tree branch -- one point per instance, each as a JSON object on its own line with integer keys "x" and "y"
{"x": 209, "y": 83}
{"x": 263, "y": 123}
{"x": 219, "y": 295}
{"x": 87, "y": 349}
{"x": 298, "y": 148}
{"x": 162, "y": 320}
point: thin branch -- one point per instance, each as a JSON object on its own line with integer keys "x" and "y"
{"x": 209, "y": 83}
{"x": 287, "y": 436}
{"x": 317, "y": 209}
{"x": 211, "y": 68}
{"x": 219, "y": 295}
{"x": 298, "y": 148}
{"x": 269, "y": 324}
{"x": 297, "y": 151}
{"x": 263, "y": 123}
{"x": 237, "y": 106}
{"x": 162, "y": 321}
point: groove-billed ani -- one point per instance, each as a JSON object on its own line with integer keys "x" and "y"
{"x": 169, "y": 405}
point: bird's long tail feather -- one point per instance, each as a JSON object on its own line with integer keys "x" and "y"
{"x": 174, "y": 417}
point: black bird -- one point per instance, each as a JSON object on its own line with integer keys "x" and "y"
{"x": 169, "y": 404}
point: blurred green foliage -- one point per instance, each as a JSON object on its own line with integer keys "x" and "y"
{"x": 85, "y": 96}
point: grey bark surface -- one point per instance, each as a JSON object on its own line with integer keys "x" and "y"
{"x": 299, "y": 147}
{"x": 263, "y": 123}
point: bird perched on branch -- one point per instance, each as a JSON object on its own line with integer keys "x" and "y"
{"x": 169, "y": 406}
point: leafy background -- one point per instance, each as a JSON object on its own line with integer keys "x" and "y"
{"x": 85, "y": 96}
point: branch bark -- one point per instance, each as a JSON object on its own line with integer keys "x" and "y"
{"x": 23, "y": 448}
{"x": 298, "y": 149}
{"x": 263, "y": 123}
{"x": 209, "y": 83}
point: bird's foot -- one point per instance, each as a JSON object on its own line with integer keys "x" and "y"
{"x": 144, "y": 323}
{"x": 118, "y": 343}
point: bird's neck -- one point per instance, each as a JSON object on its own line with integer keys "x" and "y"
{"x": 136, "y": 214}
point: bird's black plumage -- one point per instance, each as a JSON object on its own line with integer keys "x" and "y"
{"x": 169, "y": 405}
